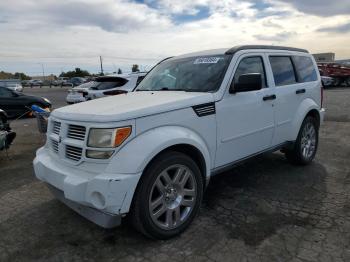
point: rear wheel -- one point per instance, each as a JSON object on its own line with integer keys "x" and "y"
{"x": 168, "y": 196}
{"x": 305, "y": 147}
{"x": 337, "y": 81}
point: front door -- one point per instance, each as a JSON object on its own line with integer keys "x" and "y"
{"x": 245, "y": 120}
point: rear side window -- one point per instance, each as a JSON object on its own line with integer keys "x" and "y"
{"x": 283, "y": 70}
{"x": 305, "y": 69}
{"x": 249, "y": 65}
{"x": 108, "y": 84}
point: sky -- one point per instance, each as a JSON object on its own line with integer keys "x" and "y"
{"x": 61, "y": 35}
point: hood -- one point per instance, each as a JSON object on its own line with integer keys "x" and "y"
{"x": 131, "y": 105}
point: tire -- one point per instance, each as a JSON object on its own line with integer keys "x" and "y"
{"x": 305, "y": 147}
{"x": 337, "y": 82}
{"x": 162, "y": 208}
{"x": 347, "y": 81}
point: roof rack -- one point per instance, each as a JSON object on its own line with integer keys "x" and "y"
{"x": 235, "y": 49}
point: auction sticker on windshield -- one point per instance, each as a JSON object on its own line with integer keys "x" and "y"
{"x": 206, "y": 60}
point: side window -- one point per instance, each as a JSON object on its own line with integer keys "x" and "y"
{"x": 249, "y": 65}
{"x": 305, "y": 68}
{"x": 5, "y": 92}
{"x": 283, "y": 70}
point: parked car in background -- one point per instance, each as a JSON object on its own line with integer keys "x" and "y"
{"x": 149, "y": 154}
{"x": 61, "y": 81}
{"x": 327, "y": 81}
{"x": 35, "y": 82}
{"x": 15, "y": 85}
{"x": 16, "y": 103}
{"x": 75, "y": 81}
{"x": 78, "y": 94}
{"x": 104, "y": 86}
{"x": 6, "y": 134}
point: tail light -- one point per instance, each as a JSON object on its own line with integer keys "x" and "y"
{"x": 114, "y": 92}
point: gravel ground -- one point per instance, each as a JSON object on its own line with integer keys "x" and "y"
{"x": 264, "y": 210}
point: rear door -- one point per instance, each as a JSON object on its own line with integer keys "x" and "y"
{"x": 293, "y": 77}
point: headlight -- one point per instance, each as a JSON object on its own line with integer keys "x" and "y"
{"x": 108, "y": 137}
{"x": 47, "y": 100}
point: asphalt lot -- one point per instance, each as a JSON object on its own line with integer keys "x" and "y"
{"x": 264, "y": 210}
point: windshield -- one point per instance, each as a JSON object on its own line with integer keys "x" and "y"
{"x": 192, "y": 74}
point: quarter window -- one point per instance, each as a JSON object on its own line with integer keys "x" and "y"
{"x": 283, "y": 70}
{"x": 305, "y": 68}
{"x": 249, "y": 65}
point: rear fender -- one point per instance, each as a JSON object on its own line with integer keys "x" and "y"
{"x": 305, "y": 107}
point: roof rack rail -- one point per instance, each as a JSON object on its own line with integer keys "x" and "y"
{"x": 271, "y": 47}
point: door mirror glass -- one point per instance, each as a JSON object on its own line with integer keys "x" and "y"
{"x": 247, "y": 82}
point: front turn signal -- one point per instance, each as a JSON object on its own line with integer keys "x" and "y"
{"x": 121, "y": 135}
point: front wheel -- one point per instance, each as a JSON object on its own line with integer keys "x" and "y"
{"x": 305, "y": 147}
{"x": 168, "y": 196}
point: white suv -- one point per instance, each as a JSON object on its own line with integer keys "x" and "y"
{"x": 149, "y": 154}
{"x": 104, "y": 86}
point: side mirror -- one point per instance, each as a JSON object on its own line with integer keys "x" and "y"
{"x": 14, "y": 94}
{"x": 247, "y": 82}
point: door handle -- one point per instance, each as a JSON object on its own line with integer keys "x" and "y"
{"x": 271, "y": 97}
{"x": 300, "y": 91}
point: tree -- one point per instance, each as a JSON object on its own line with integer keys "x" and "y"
{"x": 22, "y": 76}
{"x": 76, "y": 73}
{"x": 119, "y": 71}
{"x": 135, "y": 68}
{"x": 17, "y": 75}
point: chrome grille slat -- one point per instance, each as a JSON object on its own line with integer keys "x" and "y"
{"x": 56, "y": 127}
{"x": 73, "y": 153}
{"x": 76, "y": 132}
{"x": 54, "y": 146}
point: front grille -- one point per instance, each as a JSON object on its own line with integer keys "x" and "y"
{"x": 54, "y": 146}
{"x": 73, "y": 153}
{"x": 76, "y": 132}
{"x": 56, "y": 127}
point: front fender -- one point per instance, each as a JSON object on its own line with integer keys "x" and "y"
{"x": 137, "y": 153}
{"x": 304, "y": 108}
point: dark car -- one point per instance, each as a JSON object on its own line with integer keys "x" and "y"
{"x": 6, "y": 134}
{"x": 15, "y": 103}
{"x": 76, "y": 81}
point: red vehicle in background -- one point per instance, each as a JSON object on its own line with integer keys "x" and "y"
{"x": 340, "y": 73}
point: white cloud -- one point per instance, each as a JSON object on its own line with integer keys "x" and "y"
{"x": 75, "y": 32}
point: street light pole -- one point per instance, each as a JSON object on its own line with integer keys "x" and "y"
{"x": 42, "y": 67}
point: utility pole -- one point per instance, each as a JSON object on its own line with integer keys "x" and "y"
{"x": 101, "y": 65}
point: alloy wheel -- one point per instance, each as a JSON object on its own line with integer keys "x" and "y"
{"x": 172, "y": 197}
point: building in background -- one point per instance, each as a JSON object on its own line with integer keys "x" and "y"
{"x": 324, "y": 57}
{"x": 45, "y": 78}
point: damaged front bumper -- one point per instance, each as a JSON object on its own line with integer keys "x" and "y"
{"x": 100, "y": 218}
{"x": 101, "y": 197}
